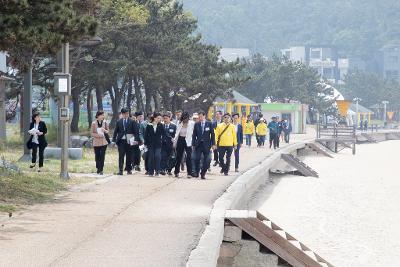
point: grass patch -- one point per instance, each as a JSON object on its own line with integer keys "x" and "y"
{"x": 26, "y": 188}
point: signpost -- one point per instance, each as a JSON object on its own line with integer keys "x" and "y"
{"x": 62, "y": 84}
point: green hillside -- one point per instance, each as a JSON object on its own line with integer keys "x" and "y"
{"x": 357, "y": 28}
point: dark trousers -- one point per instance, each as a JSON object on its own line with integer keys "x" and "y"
{"x": 261, "y": 140}
{"x": 124, "y": 151}
{"x": 237, "y": 157}
{"x": 225, "y": 165}
{"x": 99, "y": 156}
{"x": 180, "y": 148}
{"x": 200, "y": 151}
{"x": 278, "y": 139}
{"x": 166, "y": 152}
{"x": 35, "y": 148}
{"x": 216, "y": 157}
{"x": 273, "y": 140}
{"x": 248, "y": 139}
{"x": 287, "y": 137}
{"x": 136, "y": 155}
{"x": 154, "y": 159}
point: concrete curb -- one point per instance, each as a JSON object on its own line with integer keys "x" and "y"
{"x": 207, "y": 251}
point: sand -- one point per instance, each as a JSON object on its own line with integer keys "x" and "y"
{"x": 351, "y": 214}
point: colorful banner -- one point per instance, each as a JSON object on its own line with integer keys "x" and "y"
{"x": 343, "y": 106}
{"x": 390, "y": 115}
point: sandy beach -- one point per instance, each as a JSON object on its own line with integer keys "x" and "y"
{"x": 351, "y": 214}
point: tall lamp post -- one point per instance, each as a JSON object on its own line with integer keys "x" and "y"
{"x": 384, "y": 112}
{"x": 62, "y": 82}
{"x": 357, "y": 100}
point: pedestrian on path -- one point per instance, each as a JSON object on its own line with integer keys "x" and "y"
{"x": 261, "y": 132}
{"x": 239, "y": 135}
{"x": 273, "y": 132}
{"x": 153, "y": 139}
{"x": 203, "y": 141}
{"x": 101, "y": 139}
{"x": 287, "y": 130}
{"x": 217, "y": 121}
{"x": 183, "y": 143}
{"x": 249, "y": 130}
{"x": 167, "y": 143}
{"x": 123, "y": 132}
{"x": 226, "y": 141}
{"x": 37, "y": 141}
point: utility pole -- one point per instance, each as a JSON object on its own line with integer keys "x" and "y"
{"x": 384, "y": 112}
{"x": 63, "y": 84}
{"x": 357, "y": 100}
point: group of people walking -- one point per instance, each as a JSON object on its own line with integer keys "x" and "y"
{"x": 166, "y": 143}
{"x": 279, "y": 131}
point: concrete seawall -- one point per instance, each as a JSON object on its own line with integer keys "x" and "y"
{"x": 237, "y": 197}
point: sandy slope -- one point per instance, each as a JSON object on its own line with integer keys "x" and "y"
{"x": 351, "y": 214}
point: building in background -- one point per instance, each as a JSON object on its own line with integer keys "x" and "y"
{"x": 233, "y": 54}
{"x": 237, "y": 104}
{"x": 389, "y": 61}
{"x": 296, "y": 113}
{"x": 322, "y": 58}
{"x": 3, "y": 62}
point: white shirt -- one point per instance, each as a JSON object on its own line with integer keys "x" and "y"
{"x": 189, "y": 133}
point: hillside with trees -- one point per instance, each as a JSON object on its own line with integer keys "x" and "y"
{"x": 357, "y": 28}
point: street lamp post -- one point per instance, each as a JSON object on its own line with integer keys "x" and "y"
{"x": 357, "y": 100}
{"x": 384, "y": 112}
{"x": 62, "y": 83}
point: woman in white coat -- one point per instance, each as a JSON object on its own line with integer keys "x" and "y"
{"x": 183, "y": 143}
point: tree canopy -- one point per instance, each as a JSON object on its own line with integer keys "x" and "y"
{"x": 29, "y": 28}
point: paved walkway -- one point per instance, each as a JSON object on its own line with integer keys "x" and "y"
{"x": 126, "y": 221}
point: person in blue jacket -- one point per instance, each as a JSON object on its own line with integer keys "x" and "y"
{"x": 239, "y": 135}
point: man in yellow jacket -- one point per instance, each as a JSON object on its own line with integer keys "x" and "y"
{"x": 226, "y": 141}
{"x": 249, "y": 130}
{"x": 261, "y": 131}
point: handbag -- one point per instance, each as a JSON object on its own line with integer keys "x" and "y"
{"x": 29, "y": 144}
{"x": 172, "y": 160}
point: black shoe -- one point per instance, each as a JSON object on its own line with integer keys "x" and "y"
{"x": 226, "y": 174}
{"x": 203, "y": 176}
{"x": 146, "y": 173}
{"x": 169, "y": 173}
{"x": 129, "y": 172}
{"x": 216, "y": 164}
{"x": 176, "y": 175}
{"x": 162, "y": 173}
{"x": 32, "y": 166}
{"x": 195, "y": 175}
{"x": 137, "y": 168}
{"x": 222, "y": 171}
{"x": 100, "y": 173}
{"x": 120, "y": 173}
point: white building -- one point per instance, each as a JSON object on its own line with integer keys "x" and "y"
{"x": 233, "y": 54}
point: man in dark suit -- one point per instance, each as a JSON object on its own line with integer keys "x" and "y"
{"x": 239, "y": 135}
{"x": 123, "y": 133}
{"x": 167, "y": 143}
{"x": 203, "y": 141}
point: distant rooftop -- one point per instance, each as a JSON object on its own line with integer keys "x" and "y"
{"x": 237, "y": 97}
{"x": 232, "y": 54}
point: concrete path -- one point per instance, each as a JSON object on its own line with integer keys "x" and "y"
{"x": 125, "y": 221}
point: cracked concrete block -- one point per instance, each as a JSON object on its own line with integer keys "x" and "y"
{"x": 229, "y": 250}
{"x": 232, "y": 234}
